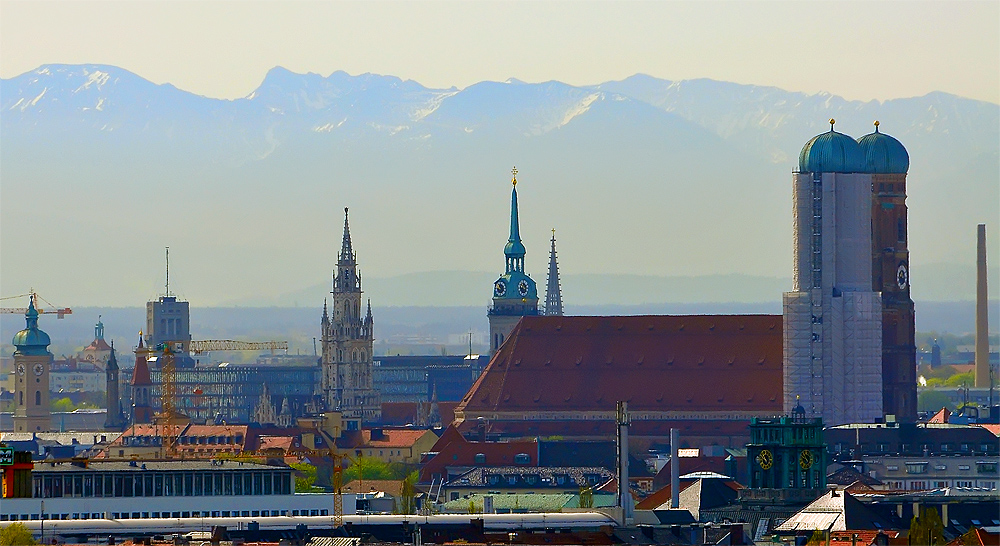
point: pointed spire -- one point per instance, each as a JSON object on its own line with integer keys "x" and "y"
{"x": 553, "y": 290}
{"x": 31, "y": 315}
{"x": 514, "y": 250}
{"x": 326, "y": 315}
{"x": 515, "y": 235}
{"x": 368, "y": 317}
{"x": 346, "y": 250}
{"x": 112, "y": 359}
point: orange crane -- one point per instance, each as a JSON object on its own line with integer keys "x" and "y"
{"x": 60, "y": 312}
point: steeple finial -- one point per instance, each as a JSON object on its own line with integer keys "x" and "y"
{"x": 31, "y": 315}
{"x": 346, "y": 249}
{"x": 513, "y": 179}
{"x": 553, "y": 290}
{"x": 832, "y": 121}
{"x": 514, "y": 250}
{"x": 876, "y": 126}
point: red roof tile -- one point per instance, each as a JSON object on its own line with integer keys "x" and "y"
{"x": 452, "y": 449}
{"x": 140, "y": 376}
{"x": 995, "y": 429}
{"x": 940, "y": 417}
{"x": 98, "y": 345}
{"x": 391, "y": 438}
{"x": 656, "y": 363}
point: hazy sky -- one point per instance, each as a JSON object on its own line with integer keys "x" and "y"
{"x": 860, "y": 50}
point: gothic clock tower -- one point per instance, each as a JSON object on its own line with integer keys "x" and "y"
{"x": 348, "y": 340}
{"x": 887, "y": 161}
{"x": 514, "y": 293}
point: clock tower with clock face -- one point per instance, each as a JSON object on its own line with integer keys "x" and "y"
{"x": 514, "y": 293}
{"x": 32, "y": 361}
{"x": 888, "y": 162}
{"x": 348, "y": 341}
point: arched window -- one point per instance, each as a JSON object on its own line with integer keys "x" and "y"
{"x": 38, "y": 398}
{"x": 20, "y": 401}
{"x": 362, "y": 356}
{"x": 900, "y": 230}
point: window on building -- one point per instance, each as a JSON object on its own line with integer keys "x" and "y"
{"x": 38, "y": 398}
{"x": 480, "y": 458}
{"x": 916, "y": 468}
{"x": 986, "y": 467}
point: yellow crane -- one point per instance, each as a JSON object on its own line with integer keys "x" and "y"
{"x": 60, "y": 312}
{"x": 198, "y": 347}
{"x": 170, "y": 416}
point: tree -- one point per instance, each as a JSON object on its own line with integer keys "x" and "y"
{"x": 305, "y": 478}
{"x": 927, "y": 528}
{"x": 407, "y": 503}
{"x": 372, "y": 468}
{"x": 932, "y": 400}
{"x": 16, "y": 534}
{"x": 587, "y": 497}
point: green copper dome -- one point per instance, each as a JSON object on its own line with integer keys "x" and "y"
{"x": 831, "y": 152}
{"x": 31, "y": 341}
{"x": 883, "y": 154}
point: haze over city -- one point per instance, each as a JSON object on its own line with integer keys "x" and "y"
{"x": 483, "y": 272}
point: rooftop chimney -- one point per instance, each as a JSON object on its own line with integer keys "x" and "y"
{"x": 982, "y": 316}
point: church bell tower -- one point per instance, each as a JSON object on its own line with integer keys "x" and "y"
{"x": 887, "y": 161}
{"x": 514, "y": 293}
{"x": 32, "y": 364}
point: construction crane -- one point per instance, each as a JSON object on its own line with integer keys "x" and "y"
{"x": 168, "y": 403}
{"x": 60, "y": 312}
{"x": 170, "y": 416}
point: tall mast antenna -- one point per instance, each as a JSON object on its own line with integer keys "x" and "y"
{"x": 168, "y": 271}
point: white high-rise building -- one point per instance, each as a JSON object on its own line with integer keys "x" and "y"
{"x": 832, "y": 317}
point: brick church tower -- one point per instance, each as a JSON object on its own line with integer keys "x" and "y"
{"x": 887, "y": 161}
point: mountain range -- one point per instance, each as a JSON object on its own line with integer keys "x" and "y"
{"x": 101, "y": 168}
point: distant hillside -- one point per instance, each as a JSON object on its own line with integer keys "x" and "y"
{"x": 100, "y": 169}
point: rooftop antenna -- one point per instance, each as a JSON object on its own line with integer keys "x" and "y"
{"x": 168, "y": 271}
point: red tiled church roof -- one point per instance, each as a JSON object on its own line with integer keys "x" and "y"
{"x": 656, "y": 363}
{"x": 452, "y": 449}
{"x": 98, "y": 345}
{"x": 140, "y": 375}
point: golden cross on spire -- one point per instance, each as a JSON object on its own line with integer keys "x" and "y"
{"x": 876, "y": 126}
{"x": 514, "y": 173}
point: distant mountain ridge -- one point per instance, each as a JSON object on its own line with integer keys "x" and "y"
{"x": 641, "y": 176}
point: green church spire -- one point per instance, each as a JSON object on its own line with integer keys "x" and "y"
{"x": 514, "y": 250}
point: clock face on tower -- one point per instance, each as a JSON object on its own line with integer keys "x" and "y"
{"x": 20, "y": 369}
{"x": 522, "y": 288}
{"x": 39, "y": 369}
{"x": 902, "y": 276}
{"x": 500, "y": 288}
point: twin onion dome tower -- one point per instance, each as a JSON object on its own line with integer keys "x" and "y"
{"x": 849, "y": 350}
{"x": 514, "y": 293}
